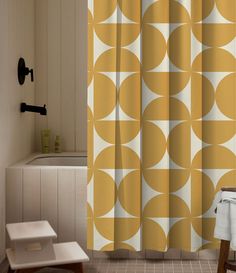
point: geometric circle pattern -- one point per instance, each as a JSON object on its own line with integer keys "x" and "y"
{"x": 161, "y": 121}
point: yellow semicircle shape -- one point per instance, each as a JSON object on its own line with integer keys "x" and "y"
{"x": 216, "y": 35}
{"x": 214, "y": 157}
{"x": 202, "y": 193}
{"x": 126, "y": 61}
{"x": 165, "y": 11}
{"x": 227, "y": 180}
{"x": 165, "y": 206}
{"x": 166, "y": 109}
{"x": 200, "y": 9}
{"x": 157, "y": 242}
{"x": 101, "y": 13}
{"x": 117, "y": 132}
{"x": 117, "y": 157}
{"x": 166, "y": 83}
{"x": 227, "y": 9}
{"x": 166, "y": 180}
{"x": 180, "y": 235}
{"x": 119, "y": 229}
{"x": 214, "y": 132}
{"x": 104, "y": 183}
{"x": 109, "y": 33}
{"x": 214, "y": 60}
{"x": 117, "y": 245}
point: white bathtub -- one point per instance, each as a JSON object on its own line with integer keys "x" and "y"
{"x": 50, "y": 187}
{"x": 59, "y": 160}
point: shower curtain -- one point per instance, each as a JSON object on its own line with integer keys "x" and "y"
{"x": 161, "y": 121}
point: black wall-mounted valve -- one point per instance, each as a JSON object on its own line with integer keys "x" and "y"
{"x": 24, "y": 71}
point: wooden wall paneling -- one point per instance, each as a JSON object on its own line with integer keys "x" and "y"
{"x": 81, "y": 74}
{"x": 31, "y": 195}
{"x": 61, "y": 71}
{"x": 41, "y": 68}
{"x": 14, "y": 195}
{"x": 66, "y": 205}
{"x": 49, "y": 201}
{"x": 54, "y": 69}
{"x": 68, "y": 65}
{"x": 81, "y": 208}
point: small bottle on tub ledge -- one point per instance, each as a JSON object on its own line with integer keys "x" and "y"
{"x": 57, "y": 144}
{"x": 45, "y": 141}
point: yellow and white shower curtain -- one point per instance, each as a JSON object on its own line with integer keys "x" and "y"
{"x": 161, "y": 121}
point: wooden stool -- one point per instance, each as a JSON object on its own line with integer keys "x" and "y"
{"x": 224, "y": 264}
{"x": 33, "y": 249}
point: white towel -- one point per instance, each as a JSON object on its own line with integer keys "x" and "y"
{"x": 225, "y": 228}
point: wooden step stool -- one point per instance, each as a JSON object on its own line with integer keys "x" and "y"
{"x": 33, "y": 249}
{"x": 224, "y": 264}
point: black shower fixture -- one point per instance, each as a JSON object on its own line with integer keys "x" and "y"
{"x": 35, "y": 109}
{"x": 24, "y": 71}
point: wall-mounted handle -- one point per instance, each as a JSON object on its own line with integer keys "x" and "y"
{"x": 24, "y": 71}
{"x": 31, "y": 72}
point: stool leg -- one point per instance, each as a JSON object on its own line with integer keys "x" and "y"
{"x": 10, "y": 270}
{"x": 79, "y": 268}
{"x": 224, "y": 254}
{"x": 76, "y": 268}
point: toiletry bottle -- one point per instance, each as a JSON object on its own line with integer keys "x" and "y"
{"x": 58, "y": 144}
{"x": 45, "y": 141}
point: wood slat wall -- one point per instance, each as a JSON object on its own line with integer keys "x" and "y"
{"x": 17, "y": 129}
{"x": 61, "y": 71}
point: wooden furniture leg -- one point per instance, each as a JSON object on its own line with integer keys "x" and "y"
{"x": 10, "y": 270}
{"x": 224, "y": 254}
{"x": 224, "y": 264}
{"x": 79, "y": 268}
{"x": 76, "y": 268}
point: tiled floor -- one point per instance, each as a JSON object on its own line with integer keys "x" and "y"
{"x": 150, "y": 266}
{"x": 144, "y": 266}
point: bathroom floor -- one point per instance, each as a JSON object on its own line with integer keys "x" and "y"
{"x": 144, "y": 266}
{"x": 150, "y": 266}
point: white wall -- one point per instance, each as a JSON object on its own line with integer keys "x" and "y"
{"x": 61, "y": 62}
{"x": 16, "y": 129}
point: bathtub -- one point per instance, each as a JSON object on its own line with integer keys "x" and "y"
{"x": 50, "y": 187}
{"x": 59, "y": 160}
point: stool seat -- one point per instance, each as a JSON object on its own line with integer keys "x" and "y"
{"x": 65, "y": 253}
{"x": 28, "y": 231}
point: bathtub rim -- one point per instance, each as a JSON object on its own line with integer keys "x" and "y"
{"x": 24, "y": 163}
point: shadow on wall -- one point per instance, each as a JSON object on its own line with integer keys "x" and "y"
{"x": 16, "y": 131}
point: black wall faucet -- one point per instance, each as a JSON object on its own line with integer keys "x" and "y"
{"x": 31, "y": 108}
{"x": 24, "y": 71}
